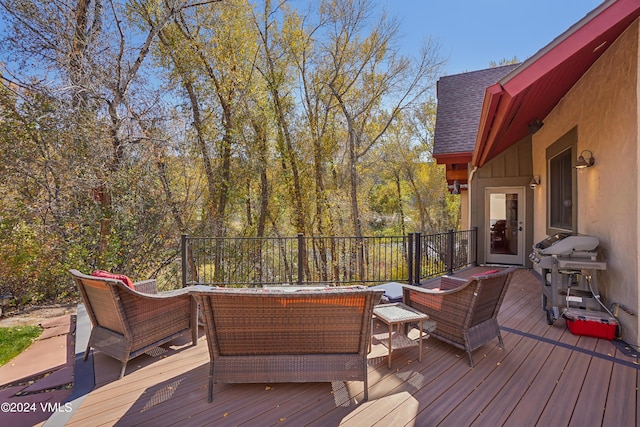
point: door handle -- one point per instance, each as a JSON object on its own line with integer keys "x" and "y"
{"x": 519, "y": 228}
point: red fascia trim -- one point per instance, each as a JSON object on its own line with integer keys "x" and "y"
{"x": 620, "y": 12}
{"x": 582, "y": 37}
{"x": 452, "y": 158}
{"x": 492, "y": 96}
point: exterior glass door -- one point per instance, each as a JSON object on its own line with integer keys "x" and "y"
{"x": 505, "y": 225}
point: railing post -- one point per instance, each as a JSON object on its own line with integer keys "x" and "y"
{"x": 450, "y": 250}
{"x": 417, "y": 264}
{"x": 410, "y": 251}
{"x": 474, "y": 236}
{"x": 360, "y": 257}
{"x": 300, "y": 258}
{"x": 185, "y": 261}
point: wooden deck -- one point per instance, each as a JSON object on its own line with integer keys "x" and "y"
{"x": 545, "y": 377}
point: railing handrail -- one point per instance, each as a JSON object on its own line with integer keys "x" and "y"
{"x": 325, "y": 259}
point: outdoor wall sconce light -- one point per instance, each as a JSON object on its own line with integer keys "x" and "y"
{"x": 535, "y": 181}
{"x": 585, "y": 163}
{"x": 456, "y": 187}
{"x": 535, "y": 126}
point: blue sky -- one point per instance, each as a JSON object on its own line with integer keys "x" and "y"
{"x": 471, "y": 33}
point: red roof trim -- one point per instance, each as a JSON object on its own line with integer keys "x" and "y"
{"x": 452, "y": 158}
{"x": 532, "y": 90}
{"x": 492, "y": 97}
{"x": 563, "y": 48}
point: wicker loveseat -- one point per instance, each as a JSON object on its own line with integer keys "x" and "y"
{"x": 464, "y": 310}
{"x": 280, "y": 336}
{"x": 128, "y": 322}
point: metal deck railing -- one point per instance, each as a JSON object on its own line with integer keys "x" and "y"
{"x": 309, "y": 260}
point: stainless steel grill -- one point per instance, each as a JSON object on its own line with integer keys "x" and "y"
{"x": 569, "y": 263}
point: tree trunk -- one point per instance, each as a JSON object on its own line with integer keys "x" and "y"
{"x": 202, "y": 145}
{"x": 396, "y": 176}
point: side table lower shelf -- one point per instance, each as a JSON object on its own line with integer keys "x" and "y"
{"x": 398, "y": 340}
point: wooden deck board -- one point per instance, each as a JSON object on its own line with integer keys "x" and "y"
{"x": 505, "y": 374}
{"x": 618, "y": 411}
{"x": 459, "y": 383}
{"x": 406, "y": 383}
{"x": 560, "y": 408}
{"x": 544, "y": 377}
{"x": 457, "y": 393}
{"x": 535, "y": 398}
{"x": 591, "y": 401}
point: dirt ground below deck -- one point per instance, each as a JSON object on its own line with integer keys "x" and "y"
{"x": 33, "y": 315}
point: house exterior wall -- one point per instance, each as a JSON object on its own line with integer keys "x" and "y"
{"x": 603, "y": 106}
{"x": 464, "y": 210}
{"x": 511, "y": 168}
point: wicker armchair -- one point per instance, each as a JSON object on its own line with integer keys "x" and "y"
{"x": 279, "y": 336}
{"x": 127, "y": 322}
{"x": 465, "y": 311}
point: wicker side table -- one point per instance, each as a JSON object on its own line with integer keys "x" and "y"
{"x": 398, "y": 314}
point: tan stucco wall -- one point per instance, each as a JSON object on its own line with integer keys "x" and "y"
{"x": 604, "y": 107}
{"x": 464, "y": 210}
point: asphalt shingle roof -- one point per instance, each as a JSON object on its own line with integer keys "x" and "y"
{"x": 460, "y": 98}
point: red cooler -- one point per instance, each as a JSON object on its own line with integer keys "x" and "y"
{"x": 597, "y": 324}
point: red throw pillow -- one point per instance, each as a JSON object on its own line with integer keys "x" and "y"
{"x": 107, "y": 275}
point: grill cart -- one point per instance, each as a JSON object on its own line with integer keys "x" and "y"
{"x": 569, "y": 263}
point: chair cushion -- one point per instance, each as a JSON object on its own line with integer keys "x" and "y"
{"x": 107, "y": 275}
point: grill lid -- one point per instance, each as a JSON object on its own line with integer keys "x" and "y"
{"x": 544, "y": 244}
{"x": 567, "y": 244}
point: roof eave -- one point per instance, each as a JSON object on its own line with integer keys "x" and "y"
{"x": 496, "y": 131}
{"x": 490, "y": 104}
{"x": 453, "y": 158}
